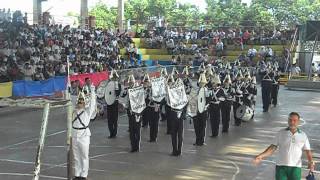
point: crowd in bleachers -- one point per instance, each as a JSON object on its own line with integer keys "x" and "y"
{"x": 40, "y": 52}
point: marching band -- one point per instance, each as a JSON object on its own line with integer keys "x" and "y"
{"x": 172, "y": 98}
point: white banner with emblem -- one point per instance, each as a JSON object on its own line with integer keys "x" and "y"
{"x": 137, "y": 99}
{"x": 158, "y": 89}
{"x": 177, "y": 96}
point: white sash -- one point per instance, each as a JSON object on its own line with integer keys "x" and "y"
{"x": 137, "y": 99}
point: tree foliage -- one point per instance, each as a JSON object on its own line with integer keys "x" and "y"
{"x": 260, "y": 13}
{"x": 106, "y": 17}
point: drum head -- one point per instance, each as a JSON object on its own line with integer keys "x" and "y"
{"x": 109, "y": 94}
{"x": 248, "y": 114}
{"x": 101, "y": 89}
{"x": 201, "y": 100}
{"x": 241, "y": 111}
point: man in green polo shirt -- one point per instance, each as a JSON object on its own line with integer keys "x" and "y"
{"x": 290, "y": 143}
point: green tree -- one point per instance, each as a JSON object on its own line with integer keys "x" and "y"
{"x": 161, "y": 8}
{"x": 137, "y": 11}
{"x": 106, "y": 17}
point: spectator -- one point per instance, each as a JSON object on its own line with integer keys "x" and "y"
{"x": 252, "y": 52}
{"x": 295, "y": 70}
{"x": 290, "y": 142}
{"x": 219, "y": 48}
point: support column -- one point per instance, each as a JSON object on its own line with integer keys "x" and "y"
{"x": 83, "y": 12}
{"x": 120, "y": 15}
{"x": 37, "y": 10}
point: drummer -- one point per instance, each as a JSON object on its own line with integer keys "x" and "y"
{"x": 113, "y": 90}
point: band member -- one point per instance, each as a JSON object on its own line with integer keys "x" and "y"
{"x": 216, "y": 96}
{"x": 87, "y": 92}
{"x": 253, "y": 94}
{"x": 163, "y": 103}
{"x": 153, "y": 114}
{"x": 226, "y": 103}
{"x": 170, "y": 82}
{"x": 246, "y": 85}
{"x": 275, "y": 87}
{"x": 177, "y": 115}
{"x": 134, "y": 119}
{"x": 200, "y": 120}
{"x": 146, "y": 116}
{"x": 266, "y": 86}
{"x": 113, "y": 90}
{"x": 75, "y": 89}
{"x": 186, "y": 80}
{"x": 237, "y": 92}
{"x": 81, "y": 134}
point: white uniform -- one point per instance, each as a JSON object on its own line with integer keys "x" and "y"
{"x": 81, "y": 137}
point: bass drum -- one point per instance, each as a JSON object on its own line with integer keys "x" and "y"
{"x": 201, "y": 100}
{"x": 244, "y": 113}
{"x": 110, "y": 92}
{"x": 101, "y": 89}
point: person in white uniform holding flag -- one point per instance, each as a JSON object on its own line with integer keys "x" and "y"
{"x": 81, "y": 134}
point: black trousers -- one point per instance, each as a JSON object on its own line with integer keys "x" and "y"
{"x": 176, "y": 132}
{"x": 134, "y": 130}
{"x": 112, "y": 117}
{"x": 146, "y": 116}
{"x": 154, "y": 124}
{"x": 274, "y": 94}
{"x": 246, "y": 101}
{"x": 237, "y": 121}
{"x": 225, "y": 114}
{"x": 200, "y": 124}
{"x": 163, "y": 114}
{"x": 168, "y": 112}
{"x": 266, "y": 94}
{"x": 214, "y": 118}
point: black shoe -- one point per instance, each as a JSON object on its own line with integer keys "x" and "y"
{"x": 225, "y": 131}
{"x": 76, "y": 178}
{"x": 195, "y": 144}
{"x": 174, "y": 153}
{"x": 134, "y": 150}
{"x": 152, "y": 140}
{"x": 265, "y": 110}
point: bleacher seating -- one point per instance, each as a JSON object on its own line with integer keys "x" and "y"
{"x": 232, "y": 52}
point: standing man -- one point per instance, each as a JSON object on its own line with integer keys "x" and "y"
{"x": 177, "y": 100}
{"x": 81, "y": 134}
{"x": 290, "y": 142}
{"x": 134, "y": 118}
{"x": 216, "y": 96}
{"x": 112, "y": 94}
{"x": 226, "y": 103}
{"x": 275, "y": 87}
{"x": 266, "y": 86}
{"x": 237, "y": 92}
{"x": 200, "y": 119}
